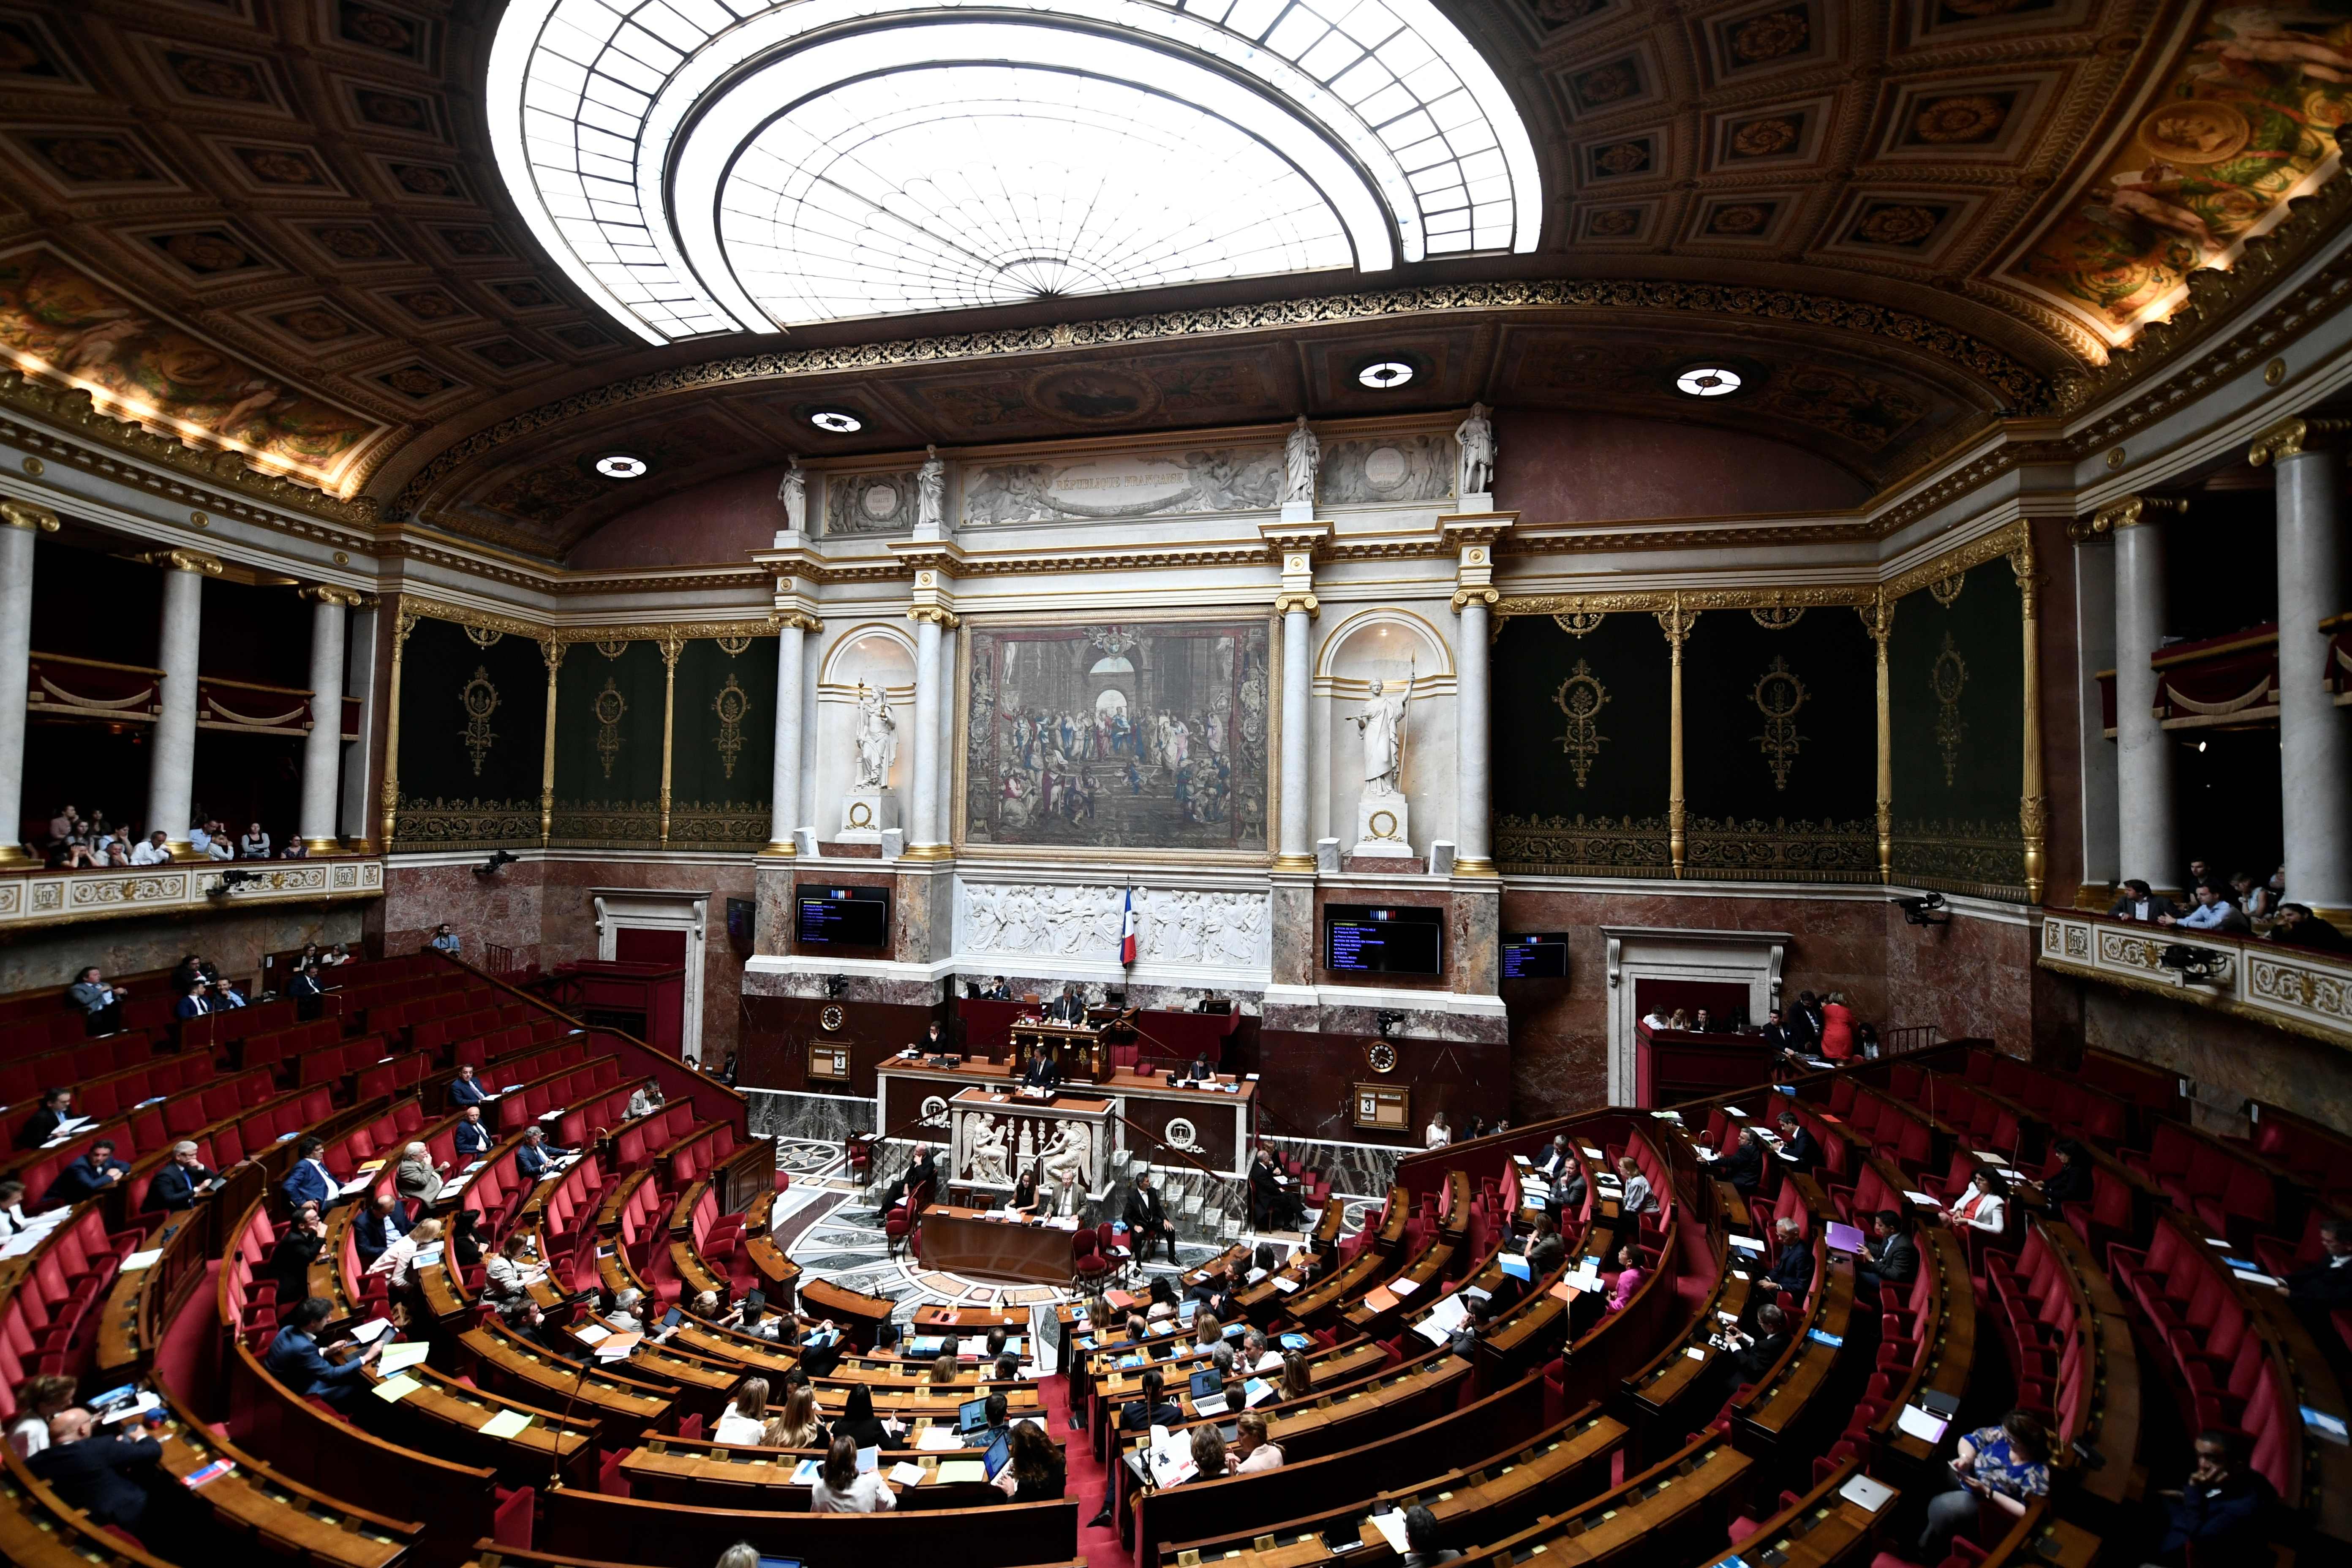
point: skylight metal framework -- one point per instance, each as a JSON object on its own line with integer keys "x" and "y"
{"x": 702, "y": 167}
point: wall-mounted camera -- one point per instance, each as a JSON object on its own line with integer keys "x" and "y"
{"x": 499, "y": 859}
{"x": 1927, "y": 910}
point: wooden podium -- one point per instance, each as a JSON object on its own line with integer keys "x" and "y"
{"x": 1077, "y": 1051}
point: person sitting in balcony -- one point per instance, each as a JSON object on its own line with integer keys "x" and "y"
{"x": 2138, "y": 902}
{"x": 2213, "y": 912}
{"x": 221, "y": 847}
{"x": 255, "y": 845}
{"x": 2253, "y": 899}
{"x": 2298, "y": 926}
{"x": 200, "y": 838}
{"x": 153, "y": 851}
{"x": 443, "y": 940}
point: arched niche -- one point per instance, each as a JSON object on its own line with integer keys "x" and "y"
{"x": 1388, "y": 643}
{"x": 874, "y": 653}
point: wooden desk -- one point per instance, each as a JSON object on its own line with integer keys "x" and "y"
{"x": 858, "y": 1316}
{"x": 627, "y": 1530}
{"x": 444, "y": 1416}
{"x": 510, "y": 1366}
{"x": 1222, "y": 1120}
{"x": 970, "y": 1241}
{"x": 254, "y": 1503}
{"x": 1819, "y": 1530}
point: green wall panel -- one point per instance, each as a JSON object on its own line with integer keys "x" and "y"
{"x": 1956, "y": 673}
{"x": 1582, "y": 793}
{"x": 473, "y": 725}
{"x": 608, "y": 746}
{"x": 723, "y": 744}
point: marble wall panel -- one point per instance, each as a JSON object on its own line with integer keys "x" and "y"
{"x": 503, "y": 909}
{"x": 2227, "y": 1060}
{"x": 234, "y": 940}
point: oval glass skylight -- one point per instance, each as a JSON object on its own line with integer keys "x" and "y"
{"x": 700, "y": 168}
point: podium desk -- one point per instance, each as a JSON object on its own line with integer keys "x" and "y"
{"x": 969, "y": 1241}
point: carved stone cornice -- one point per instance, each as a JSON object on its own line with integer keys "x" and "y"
{"x": 2292, "y": 437}
{"x": 29, "y": 516}
{"x": 2124, "y": 511}
{"x": 185, "y": 561}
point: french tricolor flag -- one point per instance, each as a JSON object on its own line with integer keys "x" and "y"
{"x": 1126, "y": 931}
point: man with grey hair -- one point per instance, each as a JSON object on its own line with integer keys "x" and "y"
{"x": 181, "y": 1182}
{"x": 417, "y": 1176}
{"x": 623, "y": 1315}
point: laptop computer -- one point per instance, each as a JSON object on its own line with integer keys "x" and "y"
{"x": 1207, "y": 1384}
{"x": 999, "y": 1455}
{"x": 971, "y": 1414}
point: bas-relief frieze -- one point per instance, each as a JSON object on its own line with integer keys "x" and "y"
{"x": 1360, "y": 472}
{"x": 869, "y": 503}
{"x": 1206, "y": 929}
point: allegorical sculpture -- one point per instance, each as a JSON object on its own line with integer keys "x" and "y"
{"x": 1302, "y": 455}
{"x": 1475, "y": 476}
{"x": 931, "y": 491}
{"x": 870, "y": 807}
{"x": 990, "y": 1155}
{"x": 793, "y": 493}
{"x": 1380, "y": 808}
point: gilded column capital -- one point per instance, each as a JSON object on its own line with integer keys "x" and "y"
{"x": 1485, "y": 593}
{"x": 28, "y": 515}
{"x": 325, "y": 594}
{"x": 2292, "y": 437}
{"x": 1289, "y": 600}
{"x": 2125, "y": 512}
{"x": 1878, "y": 620}
{"x": 185, "y": 561}
{"x": 795, "y": 621}
{"x": 936, "y": 615}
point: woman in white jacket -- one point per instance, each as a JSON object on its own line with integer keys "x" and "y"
{"x": 1983, "y": 1205}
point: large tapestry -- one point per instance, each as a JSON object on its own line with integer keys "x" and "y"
{"x": 1955, "y": 664}
{"x": 1581, "y": 745}
{"x": 608, "y": 746}
{"x": 723, "y": 744}
{"x": 473, "y": 728}
{"x": 1141, "y": 735}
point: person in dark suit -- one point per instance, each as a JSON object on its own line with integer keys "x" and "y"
{"x": 922, "y": 1173}
{"x": 195, "y": 1000}
{"x": 536, "y": 1157}
{"x": 1807, "y": 1020}
{"x": 384, "y": 1223}
{"x": 1792, "y": 1262}
{"x": 2138, "y": 903}
{"x": 1891, "y": 1256}
{"x": 2224, "y": 1510}
{"x": 1203, "y": 1070}
{"x": 1069, "y": 1007}
{"x": 1274, "y": 1205}
{"x": 1477, "y": 1314}
{"x": 100, "y": 1476}
{"x": 309, "y": 1182}
{"x": 1153, "y": 1408}
{"x": 465, "y": 1088}
{"x": 181, "y": 1182}
{"x": 1558, "y": 1157}
{"x": 1547, "y": 1248}
{"x": 999, "y": 992}
{"x": 1744, "y": 1166}
{"x": 1777, "y": 1034}
{"x": 2073, "y": 1181}
{"x": 472, "y": 1139}
{"x": 56, "y": 1107}
{"x": 295, "y": 1360}
{"x": 297, "y": 1247}
{"x": 94, "y": 1172}
{"x": 1759, "y": 1350}
{"x": 1147, "y": 1219}
{"x": 1798, "y": 1144}
{"x": 1041, "y": 1072}
{"x": 307, "y": 991}
{"x": 2326, "y": 1284}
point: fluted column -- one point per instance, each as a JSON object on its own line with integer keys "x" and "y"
{"x": 172, "y": 761}
{"x": 945, "y": 756}
{"x": 19, "y": 521}
{"x": 2315, "y": 735}
{"x": 784, "y": 787}
{"x": 2144, "y": 784}
{"x": 923, "y": 817}
{"x": 1293, "y": 853}
{"x": 1474, "y": 596}
{"x": 322, "y": 748}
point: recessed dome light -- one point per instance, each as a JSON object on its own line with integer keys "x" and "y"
{"x": 1707, "y": 381}
{"x": 1382, "y": 375}
{"x": 622, "y": 465}
{"x": 836, "y": 421}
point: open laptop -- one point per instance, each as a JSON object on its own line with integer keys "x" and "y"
{"x": 1207, "y": 1393}
{"x": 971, "y": 1416}
{"x": 999, "y": 1455}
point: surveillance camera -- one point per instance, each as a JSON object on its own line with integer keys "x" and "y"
{"x": 1926, "y": 910}
{"x": 498, "y": 859}
{"x": 836, "y": 985}
{"x": 1387, "y": 1023}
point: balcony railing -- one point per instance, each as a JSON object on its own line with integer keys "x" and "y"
{"x": 36, "y": 898}
{"x": 2218, "y": 682}
{"x": 2292, "y": 987}
{"x": 60, "y": 685}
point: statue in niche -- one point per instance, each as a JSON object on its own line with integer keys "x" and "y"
{"x": 1382, "y": 725}
{"x": 931, "y": 491}
{"x": 988, "y": 1154}
{"x": 1302, "y": 454}
{"x": 876, "y": 726}
{"x": 793, "y": 493}
{"x": 1476, "y": 436}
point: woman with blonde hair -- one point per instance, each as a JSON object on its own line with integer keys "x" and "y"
{"x": 1297, "y": 1382}
{"x": 745, "y": 1419}
{"x": 399, "y": 1259}
{"x": 799, "y": 1427}
{"x": 1252, "y": 1450}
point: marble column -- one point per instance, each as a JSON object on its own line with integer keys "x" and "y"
{"x": 2144, "y": 774}
{"x": 947, "y": 744}
{"x": 923, "y": 814}
{"x": 172, "y": 756}
{"x": 322, "y": 748}
{"x": 785, "y": 785}
{"x": 360, "y": 628}
{"x": 2315, "y": 735}
{"x": 1474, "y": 790}
{"x": 19, "y": 521}
{"x": 1295, "y": 852}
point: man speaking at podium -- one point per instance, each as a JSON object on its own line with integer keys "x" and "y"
{"x": 1040, "y": 1073}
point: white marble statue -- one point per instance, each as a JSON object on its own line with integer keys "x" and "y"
{"x": 988, "y": 1161}
{"x": 876, "y": 727}
{"x": 931, "y": 491}
{"x": 1382, "y": 723}
{"x": 1065, "y": 1150}
{"x": 1476, "y": 436}
{"x": 1302, "y": 454}
{"x": 793, "y": 493}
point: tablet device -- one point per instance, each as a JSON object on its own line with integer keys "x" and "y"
{"x": 869, "y": 1459}
{"x": 673, "y": 1318}
{"x": 971, "y": 1414}
{"x": 780, "y": 1562}
{"x": 999, "y": 1455}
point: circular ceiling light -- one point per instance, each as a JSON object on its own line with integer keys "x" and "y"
{"x": 622, "y": 465}
{"x": 1707, "y": 381}
{"x": 836, "y": 421}
{"x": 1385, "y": 376}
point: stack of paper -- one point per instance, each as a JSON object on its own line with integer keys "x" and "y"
{"x": 505, "y": 1423}
{"x": 392, "y": 1390}
{"x": 401, "y": 1357}
{"x": 1923, "y": 1425}
{"x": 1391, "y": 1527}
{"x": 905, "y": 1474}
{"x": 937, "y": 1440}
{"x": 138, "y": 1260}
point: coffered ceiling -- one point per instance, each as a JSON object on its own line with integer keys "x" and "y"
{"x": 277, "y": 225}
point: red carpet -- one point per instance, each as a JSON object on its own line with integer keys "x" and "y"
{"x": 1088, "y": 1480}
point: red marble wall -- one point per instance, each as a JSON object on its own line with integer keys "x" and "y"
{"x": 1559, "y": 467}
{"x": 503, "y": 909}
{"x": 719, "y": 521}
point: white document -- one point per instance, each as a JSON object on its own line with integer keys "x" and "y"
{"x": 401, "y": 1357}
{"x": 1285, "y": 1286}
{"x": 1925, "y": 1200}
{"x": 938, "y": 1440}
{"x": 374, "y": 1328}
{"x": 591, "y": 1334}
{"x": 139, "y": 1260}
{"x": 1403, "y": 1287}
{"x": 908, "y": 1475}
{"x": 1590, "y": 1152}
{"x": 358, "y": 1184}
{"x": 1924, "y": 1425}
{"x": 1391, "y": 1529}
{"x": 2248, "y": 1275}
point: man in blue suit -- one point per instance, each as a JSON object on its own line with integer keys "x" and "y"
{"x": 93, "y": 1172}
{"x": 384, "y": 1223}
{"x": 473, "y": 1139}
{"x": 180, "y": 1184}
{"x": 466, "y": 1090}
{"x": 294, "y": 1358}
{"x": 309, "y": 1182}
{"x": 1793, "y": 1265}
{"x": 536, "y": 1158}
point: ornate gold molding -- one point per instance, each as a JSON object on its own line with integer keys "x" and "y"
{"x": 1287, "y": 600}
{"x": 413, "y": 610}
{"x": 185, "y": 561}
{"x": 2292, "y": 438}
{"x": 2032, "y": 806}
{"x": 795, "y": 620}
{"x": 2125, "y": 512}
{"x": 324, "y": 594}
{"x": 1463, "y": 597}
{"x": 663, "y": 632}
{"x": 29, "y": 516}
{"x": 1975, "y": 552}
{"x": 1676, "y": 621}
{"x": 1878, "y": 621}
{"x": 936, "y": 615}
{"x": 1690, "y": 600}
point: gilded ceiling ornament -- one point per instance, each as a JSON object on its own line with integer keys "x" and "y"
{"x": 733, "y": 647}
{"x": 1576, "y": 623}
{"x": 1947, "y": 590}
{"x": 481, "y": 699}
{"x": 1778, "y": 695}
{"x": 1777, "y": 617}
{"x": 612, "y": 648}
{"x": 1948, "y": 679}
{"x": 610, "y": 708}
{"x": 1581, "y": 697}
{"x": 731, "y": 705}
{"x": 484, "y": 636}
